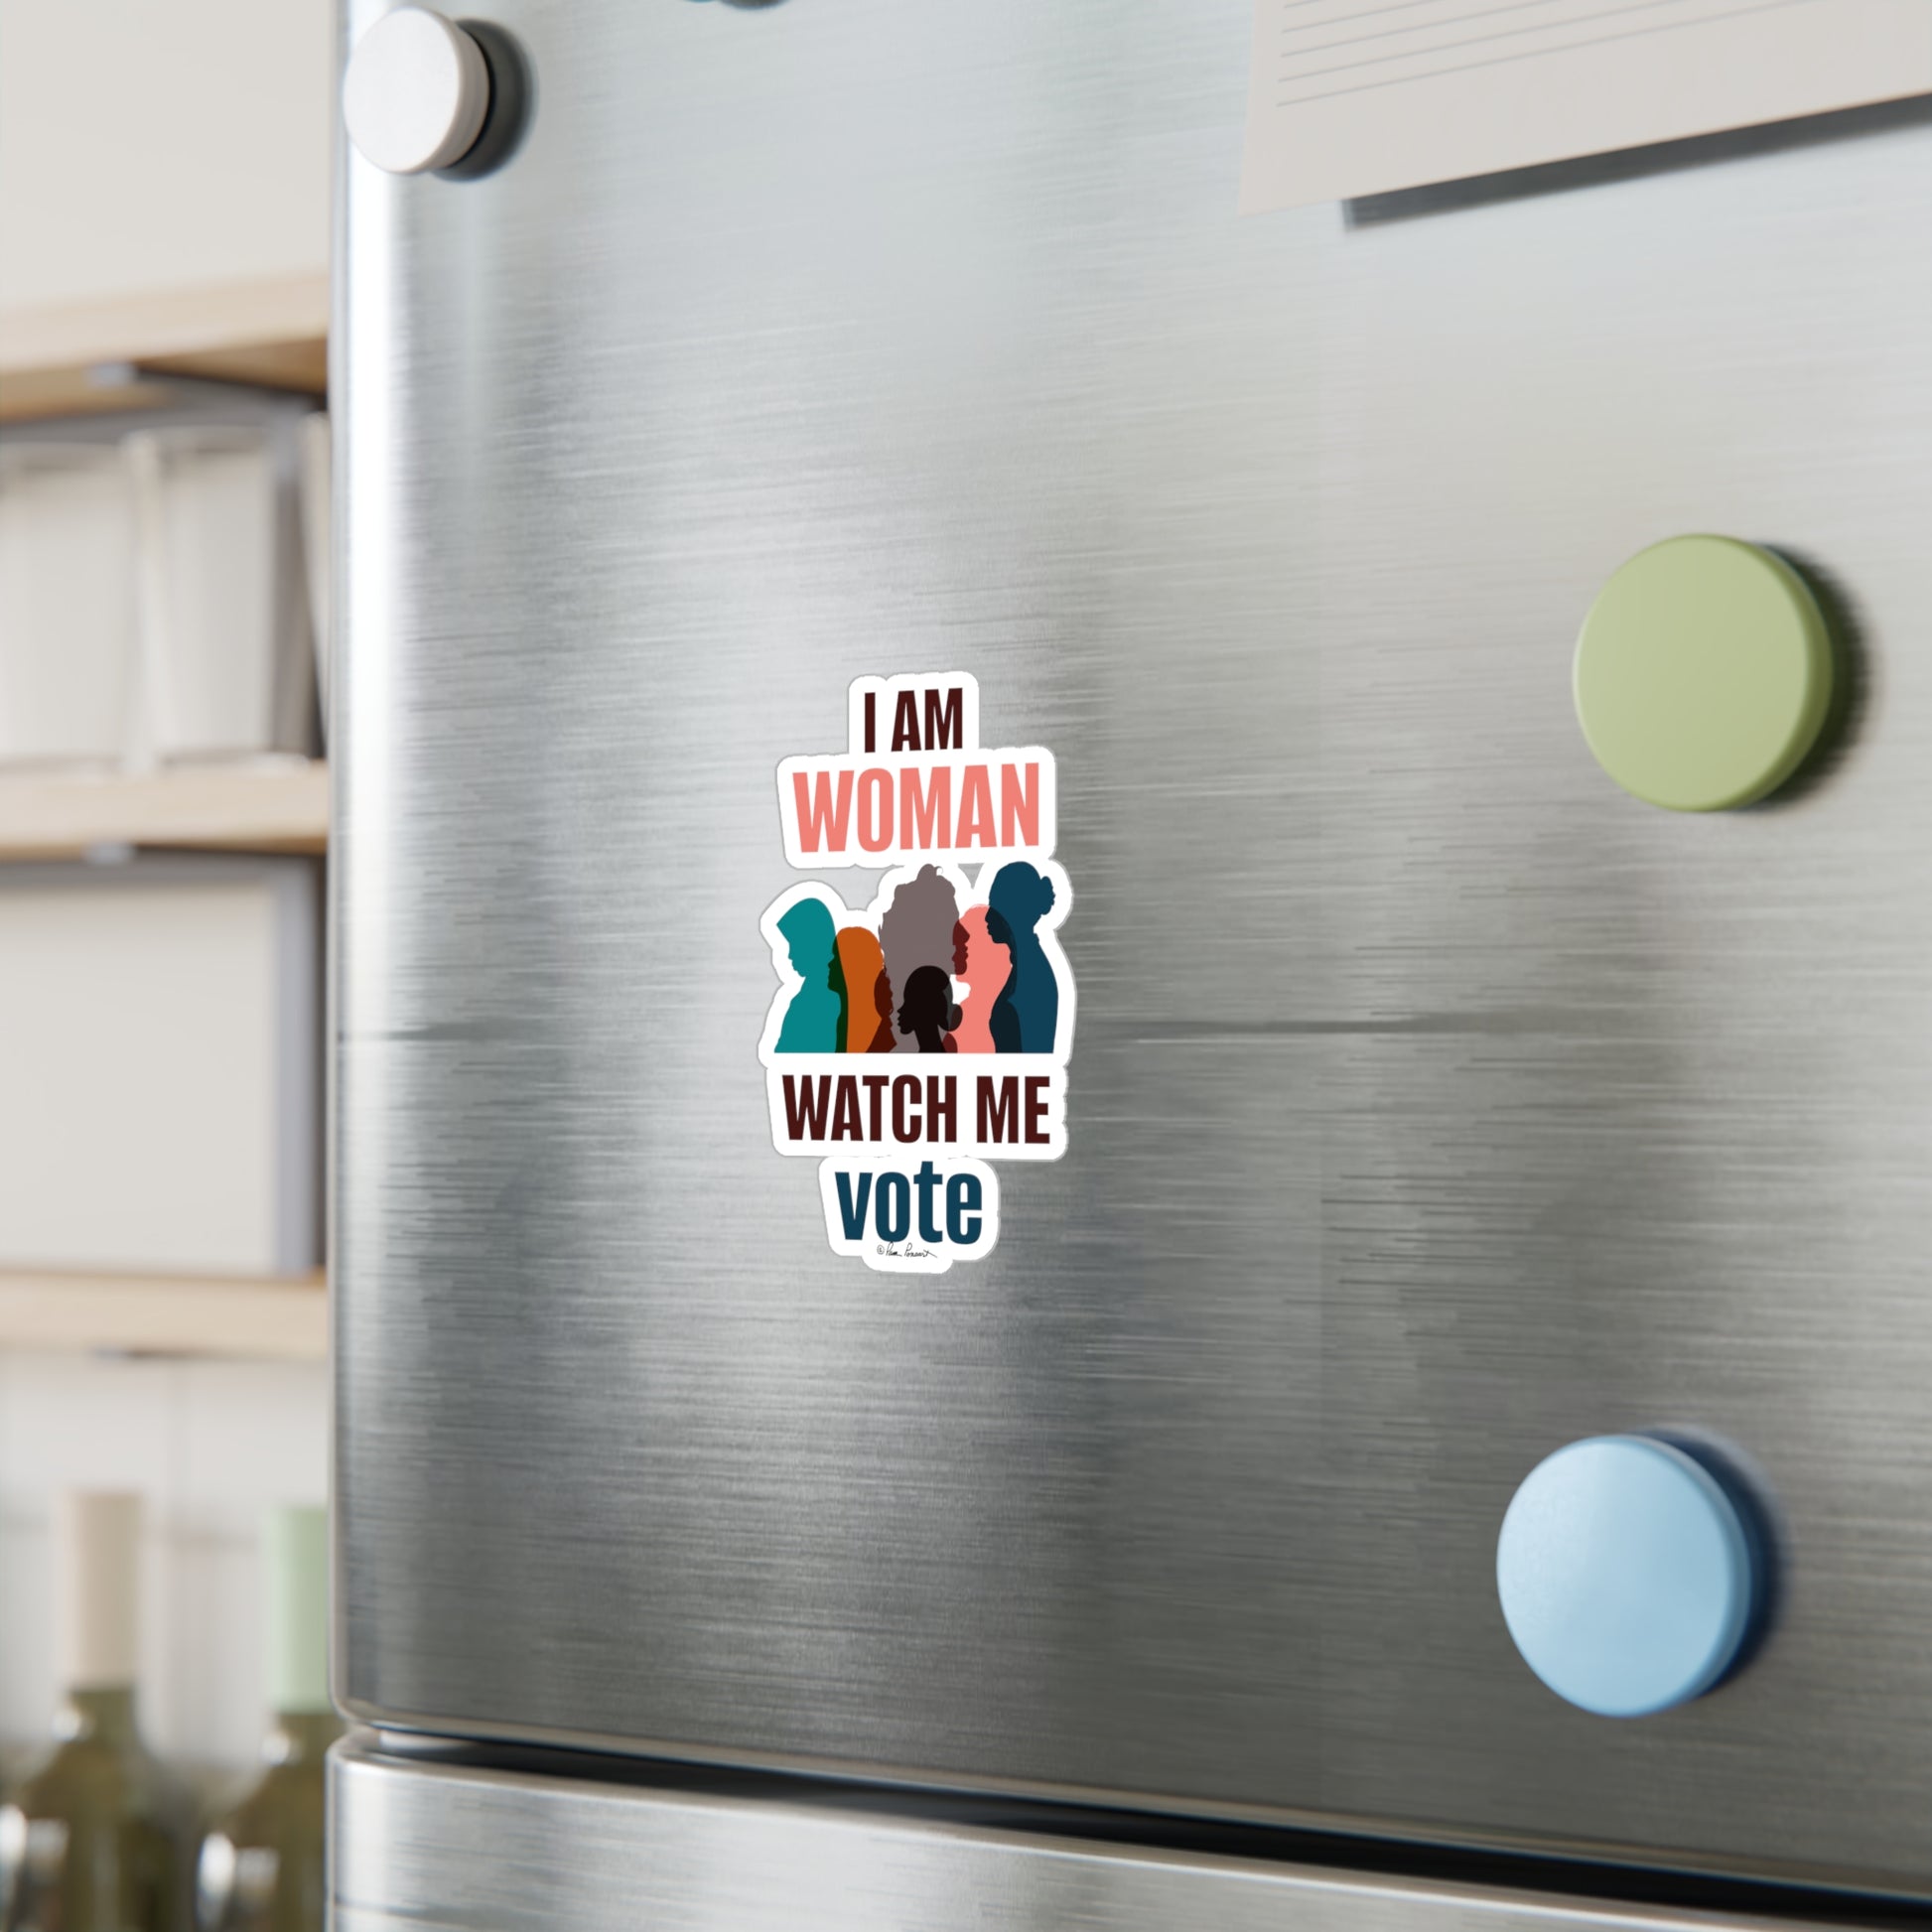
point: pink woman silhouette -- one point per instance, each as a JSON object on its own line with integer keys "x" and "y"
{"x": 984, "y": 964}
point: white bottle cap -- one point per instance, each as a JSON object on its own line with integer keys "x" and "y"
{"x": 97, "y": 1589}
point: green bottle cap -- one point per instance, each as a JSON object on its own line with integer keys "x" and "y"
{"x": 1702, "y": 673}
{"x": 295, "y": 1573}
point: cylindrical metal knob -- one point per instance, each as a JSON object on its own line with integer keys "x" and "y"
{"x": 416, "y": 93}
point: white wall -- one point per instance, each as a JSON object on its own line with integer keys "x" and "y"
{"x": 209, "y": 1445}
{"x": 156, "y": 144}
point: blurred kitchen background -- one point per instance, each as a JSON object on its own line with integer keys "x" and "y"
{"x": 163, "y": 459}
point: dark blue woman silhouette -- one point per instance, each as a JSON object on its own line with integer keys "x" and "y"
{"x": 1027, "y": 1012}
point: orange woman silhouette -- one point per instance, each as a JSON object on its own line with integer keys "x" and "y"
{"x": 984, "y": 964}
{"x": 866, "y": 1019}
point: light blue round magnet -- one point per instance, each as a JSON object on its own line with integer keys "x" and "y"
{"x": 1626, "y": 1575}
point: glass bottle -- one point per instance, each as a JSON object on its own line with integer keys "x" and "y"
{"x": 94, "y": 1839}
{"x": 261, "y": 1866}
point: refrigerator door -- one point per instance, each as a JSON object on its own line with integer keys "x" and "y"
{"x": 1432, "y": 1102}
{"x": 416, "y": 1845}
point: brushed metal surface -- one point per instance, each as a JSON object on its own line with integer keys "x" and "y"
{"x": 1432, "y": 1103}
{"x": 415, "y": 1846}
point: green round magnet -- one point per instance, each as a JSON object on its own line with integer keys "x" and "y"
{"x": 1703, "y": 674}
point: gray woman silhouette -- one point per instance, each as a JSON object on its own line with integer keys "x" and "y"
{"x": 1026, "y": 1013}
{"x": 812, "y": 1022}
{"x": 917, "y": 931}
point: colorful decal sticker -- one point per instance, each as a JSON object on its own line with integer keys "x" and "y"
{"x": 954, "y": 970}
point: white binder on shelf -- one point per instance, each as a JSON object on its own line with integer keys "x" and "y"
{"x": 160, "y": 1053}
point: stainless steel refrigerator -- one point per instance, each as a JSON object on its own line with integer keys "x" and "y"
{"x": 1004, "y": 1066}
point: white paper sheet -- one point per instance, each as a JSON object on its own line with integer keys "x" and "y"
{"x": 1350, "y": 97}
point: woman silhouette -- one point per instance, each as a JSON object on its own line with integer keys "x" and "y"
{"x": 927, "y": 1010}
{"x": 817, "y": 1011}
{"x": 1026, "y": 1013}
{"x": 984, "y": 964}
{"x": 864, "y": 967}
{"x": 915, "y": 930}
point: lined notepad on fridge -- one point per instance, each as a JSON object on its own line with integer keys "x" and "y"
{"x": 1352, "y": 97}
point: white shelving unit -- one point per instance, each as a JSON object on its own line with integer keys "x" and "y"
{"x": 121, "y": 353}
{"x": 164, "y": 224}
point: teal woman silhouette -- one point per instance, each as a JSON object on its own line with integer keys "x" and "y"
{"x": 1028, "y": 1011}
{"x": 816, "y": 1019}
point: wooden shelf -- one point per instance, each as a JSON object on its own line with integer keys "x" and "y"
{"x": 118, "y": 353}
{"x": 274, "y": 805}
{"x": 165, "y": 1315}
